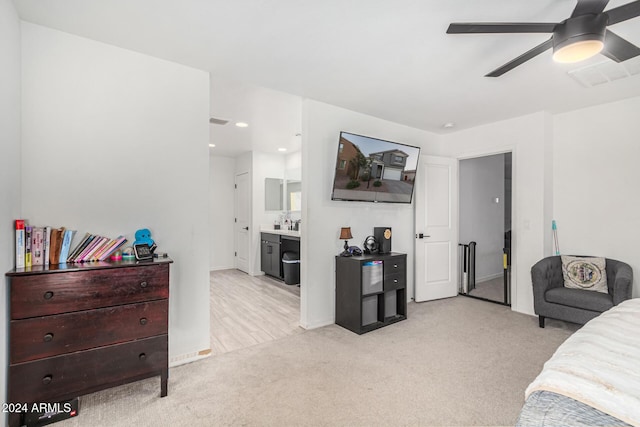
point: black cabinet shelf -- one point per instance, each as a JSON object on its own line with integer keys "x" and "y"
{"x": 272, "y": 248}
{"x": 270, "y": 255}
{"x": 371, "y": 291}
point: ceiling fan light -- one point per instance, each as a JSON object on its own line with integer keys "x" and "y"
{"x": 579, "y": 38}
{"x": 578, "y": 51}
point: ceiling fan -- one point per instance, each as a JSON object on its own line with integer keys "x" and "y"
{"x": 582, "y": 35}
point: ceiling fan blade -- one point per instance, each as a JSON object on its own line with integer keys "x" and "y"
{"x": 624, "y": 12}
{"x": 501, "y": 27}
{"x": 586, "y": 7}
{"x": 618, "y": 49}
{"x": 521, "y": 59}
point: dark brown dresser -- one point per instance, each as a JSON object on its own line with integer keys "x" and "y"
{"x": 75, "y": 329}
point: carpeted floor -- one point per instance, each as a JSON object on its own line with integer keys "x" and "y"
{"x": 457, "y": 361}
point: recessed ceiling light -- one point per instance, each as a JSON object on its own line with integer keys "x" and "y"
{"x": 242, "y": 125}
{"x": 282, "y": 149}
{"x": 448, "y": 125}
{"x": 212, "y": 145}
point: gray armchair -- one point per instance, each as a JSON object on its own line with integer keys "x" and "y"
{"x": 552, "y": 299}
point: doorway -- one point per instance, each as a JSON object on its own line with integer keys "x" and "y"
{"x": 436, "y": 228}
{"x": 248, "y": 310}
{"x": 242, "y": 220}
{"x": 484, "y": 249}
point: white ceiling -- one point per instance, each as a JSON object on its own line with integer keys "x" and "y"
{"x": 389, "y": 59}
{"x": 274, "y": 118}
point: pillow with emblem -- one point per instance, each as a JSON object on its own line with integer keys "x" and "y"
{"x": 587, "y": 273}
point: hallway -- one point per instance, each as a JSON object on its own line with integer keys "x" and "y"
{"x": 248, "y": 310}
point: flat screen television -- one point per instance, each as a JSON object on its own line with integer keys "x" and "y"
{"x": 374, "y": 170}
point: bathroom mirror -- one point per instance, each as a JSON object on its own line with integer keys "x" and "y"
{"x": 273, "y": 192}
{"x": 293, "y": 189}
{"x": 294, "y": 195}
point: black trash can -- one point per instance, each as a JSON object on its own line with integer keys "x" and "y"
{"x": 291, "y": 268}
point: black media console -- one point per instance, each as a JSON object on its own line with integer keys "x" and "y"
{"x": 371, "y": 291}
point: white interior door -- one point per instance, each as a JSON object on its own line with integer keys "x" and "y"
{"x": 243, "y": 221}
{"x": 436, "y": 228}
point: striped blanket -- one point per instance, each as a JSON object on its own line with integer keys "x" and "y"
{"x": 599, "y": 365}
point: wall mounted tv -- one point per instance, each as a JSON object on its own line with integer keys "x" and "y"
{"x": 373, "y": 170}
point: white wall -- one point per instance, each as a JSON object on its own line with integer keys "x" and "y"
{"x": 481, "y": 218}
{"x": 221, "y": 208}
{"x": 293, "y": 162}
{"x": 596, "y": 176}
{"x": 527, "y": 138}
{"x": 322, "y": 217}
{"x": 9, "y": 164}
{"x": 113, "y": 141}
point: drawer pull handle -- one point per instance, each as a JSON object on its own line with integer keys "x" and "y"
{"x": 142, "y": 357}
{"x": 143, "y": 321}
{"x": 46, "y": 380}
{"x": 143, "y": 284}
{"x": 48, "y": 295}
{"x": 48, "y": 337}
{"x": 395, "y": 280}
{"x": 395, "y": 265}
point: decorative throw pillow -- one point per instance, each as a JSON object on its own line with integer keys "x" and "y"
{"x": 586, "y": 273}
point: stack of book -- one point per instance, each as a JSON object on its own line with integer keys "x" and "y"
{"x": 46, "y": 245}
{"x": 95, "y": 248}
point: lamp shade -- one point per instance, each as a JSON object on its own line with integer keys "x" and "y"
{"x": 345, "y": 233}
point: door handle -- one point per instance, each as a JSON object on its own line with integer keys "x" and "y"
{"x": 245, "y": 228}
{"x": 421, "y": 236}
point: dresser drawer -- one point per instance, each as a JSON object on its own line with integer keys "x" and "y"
{"x": 395, "y": 281}
{"x": 83, "y": 372}
{"x": 55, "y": 293}
{"x": 40, "y": 337}
{"x": 394, "y": 266}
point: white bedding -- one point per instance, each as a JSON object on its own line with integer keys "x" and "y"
{"x": 599, "y": 365}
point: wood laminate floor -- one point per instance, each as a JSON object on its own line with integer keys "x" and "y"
{"x": 248, "y": 310}
{"x": 490, "y": 289}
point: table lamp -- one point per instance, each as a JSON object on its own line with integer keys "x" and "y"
{"x": 345, "y": 234}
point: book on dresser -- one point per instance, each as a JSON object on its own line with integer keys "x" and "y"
{"x": 112, "y": 246}
{"x": 55, "y": 245}
{"x": 28, "y": 230}
{"x": 75, "y": 329}
{"x": 20, "y": 243}
{"x": 37, "y": 246}
{"x": 80, "y": 246}
{"x": 95, "y": 243}
{"x": 66, "y": 245}
{"x": 46, "y": 244}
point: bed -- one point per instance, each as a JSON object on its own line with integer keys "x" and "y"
{"x": 593, "y": 378}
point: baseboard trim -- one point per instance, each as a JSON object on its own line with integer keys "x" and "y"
{"x": 317, "y": 324}
{"x": 221, "y": 268}
{"x": 183, "y": 359}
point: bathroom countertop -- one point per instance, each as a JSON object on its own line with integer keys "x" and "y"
{"x": 293, "y": 233}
